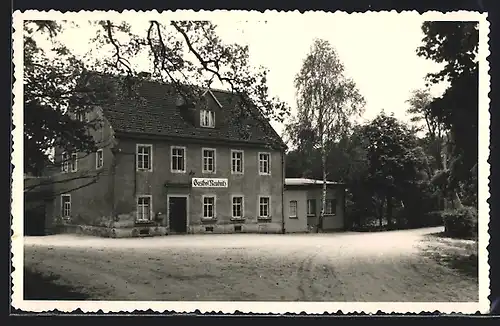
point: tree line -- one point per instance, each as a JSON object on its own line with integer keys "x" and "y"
{"x": 398, "y": 174}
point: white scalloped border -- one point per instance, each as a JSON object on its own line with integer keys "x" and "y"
{"x": 246, "y": 307}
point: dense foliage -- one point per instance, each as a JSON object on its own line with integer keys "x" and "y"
{"x": 461, "y": 223}
{"x": 396, "y": 179}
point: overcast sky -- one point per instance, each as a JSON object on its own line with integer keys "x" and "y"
{"x": 377, "y": 49}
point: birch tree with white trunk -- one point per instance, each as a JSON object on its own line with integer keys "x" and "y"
{"x": 327, "y": 101}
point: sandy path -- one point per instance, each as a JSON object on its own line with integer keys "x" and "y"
{"x": 312, "y": 267}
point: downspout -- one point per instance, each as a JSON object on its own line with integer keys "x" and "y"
{"x": 113, "y": 183}
{"x": 283, "y": 191}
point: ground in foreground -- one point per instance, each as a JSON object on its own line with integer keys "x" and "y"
{"x": 385, "y": 266}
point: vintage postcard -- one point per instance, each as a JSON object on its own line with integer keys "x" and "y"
{"x": 256, "y": 162}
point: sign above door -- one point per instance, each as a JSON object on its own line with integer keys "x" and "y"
{"x": 209, "y": 182}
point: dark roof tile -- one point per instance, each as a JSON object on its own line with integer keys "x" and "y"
{"x": 154, "y": 112}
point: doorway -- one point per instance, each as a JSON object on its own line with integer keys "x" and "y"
{"x": 177, "y": 214}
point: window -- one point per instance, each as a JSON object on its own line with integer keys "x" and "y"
{"x": 264, "y": 160}
{"x": 330, "y": 206}
{"x": 65, "y": 162}
{"x": 207, "y": 118}
{"x": 236, "y": 161}
{"x": 208, "y": 207}
{"x": 293, "y": 209}
{"x": 144, "y": 157}
{"x": 66, "y": 206}
{"x": 264, "y": 207}
{"x": 208, "y": 160}
{"x": 99, "y": 159}
{"x": 237, "y": 207}
{"x": 144, "y": 208}
{"x": 74, "y": 162}
{"x": 80, "y": 116}
{"x": 178, "y": 159}
{"x": 311, "y": 207}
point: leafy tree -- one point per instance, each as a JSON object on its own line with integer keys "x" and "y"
{"x": 420, "y": 110}
{"x": 326, "y": 101}
{"x": 394, "y": 158}
{"x": 455, "y": 45}
{"x": 60, "y": 86}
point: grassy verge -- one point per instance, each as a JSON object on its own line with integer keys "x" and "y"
{"x": 459, "y": 254}
{"x": 41, "y": 287}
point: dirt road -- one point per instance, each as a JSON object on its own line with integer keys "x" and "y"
{"x": 385, "y": 266}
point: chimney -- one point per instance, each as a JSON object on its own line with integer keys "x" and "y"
{"x": 179, "y": 101}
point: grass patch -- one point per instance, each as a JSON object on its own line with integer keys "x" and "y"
{"x": 41, "y": 287}
{"x": 459, "y": 254}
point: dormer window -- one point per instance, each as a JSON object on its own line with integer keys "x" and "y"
{"x": 207, "y": 118}
{"x": 80, "y": 116}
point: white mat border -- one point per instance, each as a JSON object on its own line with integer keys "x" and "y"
{"x": 249, "y": 307}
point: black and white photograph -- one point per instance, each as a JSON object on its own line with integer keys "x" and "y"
{"x": 262, "y": 162}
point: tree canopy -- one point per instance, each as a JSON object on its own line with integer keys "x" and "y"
{"x": 455, "y": 45}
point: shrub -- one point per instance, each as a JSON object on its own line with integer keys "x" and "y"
{"x": 461, "y": 223}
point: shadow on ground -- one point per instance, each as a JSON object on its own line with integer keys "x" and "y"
{"x": 456, "y": 253}
{"x": 41, "y": 287}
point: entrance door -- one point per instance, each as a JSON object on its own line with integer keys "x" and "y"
{"x": 177, "y": 218}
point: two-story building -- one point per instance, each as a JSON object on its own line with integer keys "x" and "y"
{"x": 166, "y": 167}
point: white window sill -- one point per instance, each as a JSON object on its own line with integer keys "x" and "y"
{"x": 236, "y": 219}
{"x": 144, "y": 170}
{"x": 178, "y": 171}
{"x": 264, "y": 218}
{"x": 143, "y": 221}
{"x": 208, "y": 219}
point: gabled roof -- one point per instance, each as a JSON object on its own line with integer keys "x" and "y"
{"x": 307, "y": 182}
{"x": 154, "y": 112}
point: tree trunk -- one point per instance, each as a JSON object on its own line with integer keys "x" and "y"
{"x": 380, "y": 210}
{"x": 455, "y": 200}
{"x": 389, "y": 209}
{"x": 323, "y": 193}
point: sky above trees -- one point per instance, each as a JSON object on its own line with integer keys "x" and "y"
{"x": 377, "y": 49}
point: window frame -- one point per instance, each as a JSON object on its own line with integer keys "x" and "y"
{"x": 242, "y": 160}
{"x": 142, "y": 220}
{"x": 268, "y": 163}
{"x": 97, "y": 159}
{"x": 81, "y": 116}
{"x": 214, "y": 209}
{"x": 211, "y": 118}
{"x": 242, "y": 209}
{"x": 290, "y": 209}
{"x": 63, "y": 209}
{"x": 73, "y": 163}
{"x": 268, "y": 216}
{"x": 313, "y": 206}
{"x": 150, "y": 156}
{"x": 333, "y": 207}
{"x": 214, "y": 160}
{"x": 184, "y": 158}
{"x": 65, "y": 162}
